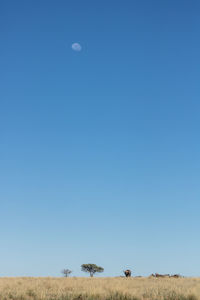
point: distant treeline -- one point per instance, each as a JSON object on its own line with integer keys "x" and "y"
{"x": 93, "y": 268}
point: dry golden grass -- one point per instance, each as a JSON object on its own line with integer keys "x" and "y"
{"x": 99, "y": 288}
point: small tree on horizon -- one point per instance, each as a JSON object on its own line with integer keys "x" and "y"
{"x": 66, "y": 272}
{"x": 91, "y": 269}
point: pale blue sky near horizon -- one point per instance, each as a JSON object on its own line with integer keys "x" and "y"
{"x": 99, "y": 149}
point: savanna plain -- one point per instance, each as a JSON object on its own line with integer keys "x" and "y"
{"x": 117, "y": 288}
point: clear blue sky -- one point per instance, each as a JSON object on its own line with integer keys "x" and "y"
{"x": 99, "y": 149}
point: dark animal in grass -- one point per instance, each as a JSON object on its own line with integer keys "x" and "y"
{"x": 127, "y": 273}
{"x": 176, "y": 276}
{"x": 161, "y": 275}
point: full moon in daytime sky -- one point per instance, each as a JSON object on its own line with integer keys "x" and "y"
{"x": 76, "y": 47}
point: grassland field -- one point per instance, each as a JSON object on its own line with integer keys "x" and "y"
{"x": 76, "y": 288}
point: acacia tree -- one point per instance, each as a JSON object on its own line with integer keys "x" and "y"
{"x": 92, "y": 269}
{"x": 66, "y": 272}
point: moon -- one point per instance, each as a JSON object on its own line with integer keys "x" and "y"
{"x": 76, "y": 47}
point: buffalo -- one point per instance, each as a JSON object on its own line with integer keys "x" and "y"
{"x": 127, "y": 273}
